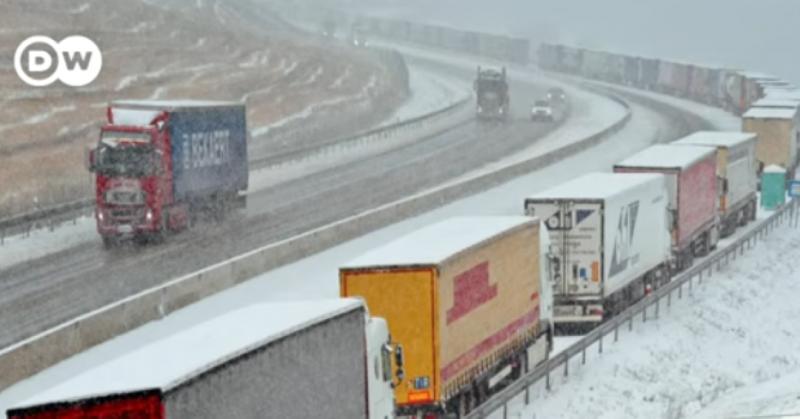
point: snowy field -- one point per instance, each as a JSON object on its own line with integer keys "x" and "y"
{"x": 730, "y": 350}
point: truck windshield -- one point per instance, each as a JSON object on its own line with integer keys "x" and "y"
{"x": 125, "y": 154}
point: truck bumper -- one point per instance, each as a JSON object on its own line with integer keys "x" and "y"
{"x": 111, "y": 227}
{"x": 577, "y": 317}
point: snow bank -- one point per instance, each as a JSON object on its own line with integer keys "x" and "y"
{"x": 41, "y": 242}
{"x": 730, "y": 349}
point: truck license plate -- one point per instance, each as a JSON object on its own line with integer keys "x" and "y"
{"x": 124, "y": 229}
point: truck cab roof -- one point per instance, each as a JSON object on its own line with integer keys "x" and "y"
{"x": 171, "y": 104}
{"x": 176, "y": 358}
{"x": 438, "y": 242}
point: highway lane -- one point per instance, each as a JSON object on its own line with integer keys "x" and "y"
{"x": 60, "y": 287}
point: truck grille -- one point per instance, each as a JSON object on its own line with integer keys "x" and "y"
{"x": 127, "y": 213}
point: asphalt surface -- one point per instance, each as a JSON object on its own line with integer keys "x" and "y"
{"x": 39, "y": 295}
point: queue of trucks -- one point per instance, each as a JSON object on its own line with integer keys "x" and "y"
{"x": 433, "y": 323}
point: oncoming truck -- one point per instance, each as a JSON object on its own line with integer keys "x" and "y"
{"x": 736, "y": 170}
{"x": 467, "y": 301}
{"x": 491, "y": 92}
{"x": 160, "y": 163}
{"x": 609, "y": 244}
{"x": 293, "y": 360}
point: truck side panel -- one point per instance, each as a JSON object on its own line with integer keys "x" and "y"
{"x": 636, "y": 238}
{"x": 289, "y": 378}
{"x": 488, "y": 305}
{"x": 739, "y": 170}
{"x": 697, "y": 198}
{"x": 209, "y": 151}
{"x": 407, "y": 300}
{"x": 776, "y": 140}
{"x": 144, "y": 405}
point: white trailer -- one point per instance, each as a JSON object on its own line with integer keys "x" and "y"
{"x": 269, "y": 360}
{"x": 609, "y": 243}
{"x": 736, "y": 173}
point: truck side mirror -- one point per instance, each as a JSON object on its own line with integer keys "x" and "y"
{"x": 90, "y": 160}
{"x": 399, "y": 361}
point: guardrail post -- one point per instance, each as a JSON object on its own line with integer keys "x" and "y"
{"x": 657, "y": 306}
{"x": 691, "y": 277}
{"x": 600, "y": 344}
{"x": 644, "y": 314}
{"x": 616, "y": 331}
{"x": 583, "y": 356}
{"x": 669, "y": 299}
{"x": 680, "y": 291}
{"x": 527, "y": 395}
{"x": 630, "y": 323}
{"x": 566, "y": 367}
{"x": 700, "y": 277}
{"x": 547, "y": 379}
{"x": 505, "y": 410}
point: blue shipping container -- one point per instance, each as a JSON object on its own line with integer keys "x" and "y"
{"x": 209, "y": 150}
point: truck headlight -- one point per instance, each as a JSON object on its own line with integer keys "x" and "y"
{"x": 100, "y": 215}
{"x": 149, "y": 215}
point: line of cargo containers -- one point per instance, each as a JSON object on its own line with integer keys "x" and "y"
{"x": 614, "y": 237}
{"x": 472, "y": 301}
{"x": 769, "y": 106}
{"x": 730, "y": 89}
{"x": 513, "y": 49}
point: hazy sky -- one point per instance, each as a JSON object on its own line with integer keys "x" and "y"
{"x": 759, "y": 35}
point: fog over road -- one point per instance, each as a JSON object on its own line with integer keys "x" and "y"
{"x": 757, "y": 35}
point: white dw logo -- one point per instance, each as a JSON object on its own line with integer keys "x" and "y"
{"x": 75, "y": 61}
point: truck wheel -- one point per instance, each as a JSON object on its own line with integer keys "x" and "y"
{"x": 109, "y": 242}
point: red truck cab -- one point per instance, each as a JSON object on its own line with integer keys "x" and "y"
{"x": 159, "y": 162}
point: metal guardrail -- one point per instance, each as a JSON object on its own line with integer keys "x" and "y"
{"x": 649, "y": 307}
{"x": 293, "y": 156}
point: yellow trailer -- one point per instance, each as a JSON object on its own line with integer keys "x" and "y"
{"x": 465, "y": 300}
{"x": 777, "y": 136}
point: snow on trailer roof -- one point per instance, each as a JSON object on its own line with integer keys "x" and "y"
{"x": 774, "y": 168}
{"x": 754, "y": 75}
{"x": 770, "y": 113}
{"x": 172, "y": 104}
{"x": 770, "y": 102}
{"x": 667, "y": 156}
{"x": 716, "y": 138}
{"x": 165, "y": 363}
{"x": 434, "y": 244}
{"x": 599, "y": 185}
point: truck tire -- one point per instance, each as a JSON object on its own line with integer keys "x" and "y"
{"x": 109, "y": 242}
